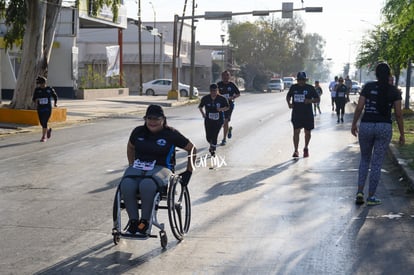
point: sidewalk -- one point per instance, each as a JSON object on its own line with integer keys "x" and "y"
{"x": 79, "y": 110}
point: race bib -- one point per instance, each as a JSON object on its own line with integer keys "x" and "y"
{"x": 144, "y": 165}
{"x": 299, "y": 98}
{"x": 213, "y": 116}
{"x": 341, "y": 94}
{"x": 43, "y": 101}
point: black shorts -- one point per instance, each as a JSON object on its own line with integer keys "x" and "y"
{"x": 306, "y": 124}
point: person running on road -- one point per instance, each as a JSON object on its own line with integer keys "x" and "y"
{"x": 300, "y": 98}
{"x": 211, "y": 108}
{"x": 151, "y": 152}
{"x": 375, "y": 129}
{"x": 230, "y": 91}
{"x": 341, "y": 98}
{"x": 42, "y": 98}
{"x": 319, "y": 90}
{"x": 348, "y": 83}
{"x": 332, "y": 87}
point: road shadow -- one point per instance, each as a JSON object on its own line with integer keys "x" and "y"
{"x": 243, "y": 184}
{"x": 104, "y": 258}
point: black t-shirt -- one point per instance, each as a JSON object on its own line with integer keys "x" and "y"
{"x": 43, "y": 97}
{"x": 211, "y": 105}
{"x": 228, "y": 90}
{"x": 372, "y": 113}
{"x": 159, "y": 146}
{"x": 299, "y": 93}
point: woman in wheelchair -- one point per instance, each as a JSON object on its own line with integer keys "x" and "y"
{"x": 151, "y": 154}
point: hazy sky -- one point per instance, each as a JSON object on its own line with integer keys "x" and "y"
{"x": 339, "y": 23}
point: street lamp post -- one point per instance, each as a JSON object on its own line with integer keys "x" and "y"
{"x": 154, "y": 27}
{"x": 139, "y": 47}
{"x": 222, "y": 50}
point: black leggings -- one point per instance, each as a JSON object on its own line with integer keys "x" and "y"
{"x": 340, "y": 108}
{"x": 44, "y": 116}
{"x": 212, "y": 130}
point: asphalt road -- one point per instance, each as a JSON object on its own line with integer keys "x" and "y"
{"x": 260, "y": 213}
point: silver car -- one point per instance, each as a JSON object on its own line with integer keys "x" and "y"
{"x": 275, "y": 84}
{"x": 163, "y": 86}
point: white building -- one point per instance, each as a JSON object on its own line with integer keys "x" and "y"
{"x": 79, "y": 52}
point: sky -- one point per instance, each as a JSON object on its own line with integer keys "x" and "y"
{"x": 343, "y": 23}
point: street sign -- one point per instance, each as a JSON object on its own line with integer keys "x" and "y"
{"x": 260, "y": 13}
{"x": 287, "y": 10}
{"x": 218, "y": 15}
{"x": 313, "y": 9}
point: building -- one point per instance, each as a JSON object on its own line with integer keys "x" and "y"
{"x": 79, "y": 53}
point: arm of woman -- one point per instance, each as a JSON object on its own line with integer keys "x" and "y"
{"x": 357, "y": 114}
{"x": 130, "y": 153}
{"x": 400, "y": 121}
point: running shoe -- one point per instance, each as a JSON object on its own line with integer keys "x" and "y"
{"x": 133, "y": 226}
{"x": 43, "y": 139}
{"x": 223, "y": 142}
{"x": 359, "y": 198}
{"x": 295, "y": 154}
{"x": 49, "y": 133}
{"x": 342, "y": 119}
{"x": 229, "y": 135}
{"x": 373, "y": 201}
{"x": 305, "y": 152}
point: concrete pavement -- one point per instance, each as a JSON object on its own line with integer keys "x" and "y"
{"x": 80, "y": 111}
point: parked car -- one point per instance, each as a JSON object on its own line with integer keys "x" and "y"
{"x": 275, "y": 84}
{"x": 162, "y": 86}
{"x": 288, "y": 81}
{"x": 356, "y": 87}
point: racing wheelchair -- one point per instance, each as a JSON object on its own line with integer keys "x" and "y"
{"x": 174, "y": 197}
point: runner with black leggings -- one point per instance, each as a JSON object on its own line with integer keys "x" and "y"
{"x": 42, "y": 98}
{"x": 212, "y": 107}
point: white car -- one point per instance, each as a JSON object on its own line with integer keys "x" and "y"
{"x": 163, "y": 86}
{"x": 275, "y": 84}
{"x": 288, "y": 81}
{"x": 356, "y": 87}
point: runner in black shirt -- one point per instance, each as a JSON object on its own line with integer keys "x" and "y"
{"x": 230, "y": 91}
{"x": 300, "y": 98}
{"x": 214, "y": 105}
{"x": 42, "y": 98}
{"x": 341, "y": 98}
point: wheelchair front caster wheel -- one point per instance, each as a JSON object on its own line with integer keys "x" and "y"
{"x": 163, "y": 239}
{"x": 116, "y": 236}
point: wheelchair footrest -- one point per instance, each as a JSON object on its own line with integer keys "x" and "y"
{"x": 137, "y": 236}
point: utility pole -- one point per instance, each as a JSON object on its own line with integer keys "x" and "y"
{"x": 139, "y": 47}
{"x": 192, "y": 66}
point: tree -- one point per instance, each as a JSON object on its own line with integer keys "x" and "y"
{"x": 391, "y": 41}
{"x": 267, "y": 47}
{"x": 33, "y": 24}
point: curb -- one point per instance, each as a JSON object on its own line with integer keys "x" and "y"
{"x": 407, "y": 172}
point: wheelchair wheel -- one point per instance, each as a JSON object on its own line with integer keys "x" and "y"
{"x": 179, "y": 208}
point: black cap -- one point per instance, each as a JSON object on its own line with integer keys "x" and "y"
{"x": 301, "y": 75}
{"x": 213, "y": 86}
{"x": 41, "y": 79}
{"x": 154, "y": 110}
